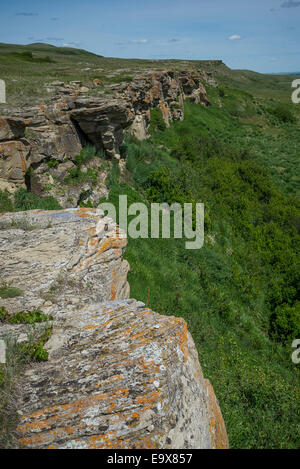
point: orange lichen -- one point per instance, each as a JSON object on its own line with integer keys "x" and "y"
{"x": 217, "y": 426}
{"x": 113, "y": 288}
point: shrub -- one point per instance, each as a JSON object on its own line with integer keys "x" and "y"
{"x": 221, "y": 92}
{"x": 24, "y": 200}
{"x": 10, "y": 292}
{"x": 283, "y": 114}
{"x": 113, "y": 175}
{"x": 6, "y": 204}
{"x": 285, "y": 323}
{"x": 52, "y": 163}
{"x": 87, "y": 154}
{"x": 156, "y": 120}
{"x": 3, "y": 314}
{"x": 29, "y": 317}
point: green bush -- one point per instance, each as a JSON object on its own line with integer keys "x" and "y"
{"x": 87, "y": 154}
{"x": 10, "y": 292}
{"x": 3, "y": 314}
{"x": 35, "y": 352}
{"x": 52, "y": 163}
{"x": 113, "y": 175}
{"x": 24, "y": 200}
{"x": 221, "y": 92}
{"x": 285, "y": 323}
{"x": 28, "y": 57}
{"x": 29, "y": 317}
{"x": 283, "y": 114}
{"x": 156, "y": 120}
{"x": 6, "y": 204}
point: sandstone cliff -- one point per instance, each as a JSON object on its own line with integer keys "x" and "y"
{"x": 118, "y": 374}
{"x": 56, "y": 132}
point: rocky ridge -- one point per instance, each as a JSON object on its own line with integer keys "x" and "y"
{"x": 118, "y": 374}
{"x": 55, "y": 132}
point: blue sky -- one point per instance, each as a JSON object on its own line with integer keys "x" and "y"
{"x": 261, "y": 35}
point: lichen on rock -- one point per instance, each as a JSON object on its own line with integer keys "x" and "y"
{"x": 118, "y": 374}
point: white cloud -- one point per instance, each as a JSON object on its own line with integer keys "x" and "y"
{"x": 139, "y": 41}
{"x": 71, "y": 44}
{"x": 234, "y": 37}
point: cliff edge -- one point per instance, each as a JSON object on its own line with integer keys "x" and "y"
{"x": 118, "y": 375}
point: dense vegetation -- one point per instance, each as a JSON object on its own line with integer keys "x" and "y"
{"x": 240, "y": 292}
{"x": 24, "y": 200}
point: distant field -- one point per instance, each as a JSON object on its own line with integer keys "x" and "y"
{"x": 26, "y": 76}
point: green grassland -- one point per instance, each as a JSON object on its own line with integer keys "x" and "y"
{"x": 240, "y": 292}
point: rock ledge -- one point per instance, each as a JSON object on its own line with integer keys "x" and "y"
{"x": 119, "y": 375}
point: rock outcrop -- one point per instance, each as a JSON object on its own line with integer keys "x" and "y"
{"x": 118, "y": 374}
{"x": 77, "y": 248}
{"x": 57, "y": 131}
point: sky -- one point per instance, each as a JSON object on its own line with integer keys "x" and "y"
{"x": 260, "y": 35}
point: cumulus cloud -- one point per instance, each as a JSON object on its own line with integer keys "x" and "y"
{"x": 234, "y": 37}
{"x": 290, "y": 4}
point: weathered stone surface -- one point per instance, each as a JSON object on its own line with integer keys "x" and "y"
{"x": 217, "y": 426}
{"x": 62, "y": 249}
{"x": 118, "y": 374}
{"x": 14, "y": 157}
{"x": 161, "y": 89}
{"x": 11, "y": 128}
{"x": 104, "y": 124}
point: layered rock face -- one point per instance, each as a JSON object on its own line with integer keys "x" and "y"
{"x": 79, "y": 247}
{"x": 165, "y": 90}
{"x": 57, "y": 131}
{"x": 118, "y": 374}
{"x": 14, "y": 152}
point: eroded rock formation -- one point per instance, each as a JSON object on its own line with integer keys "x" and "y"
{"x": 57, "y": 131}
{"x": 118, "y": 374}
{"x": 39, "y": 250}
